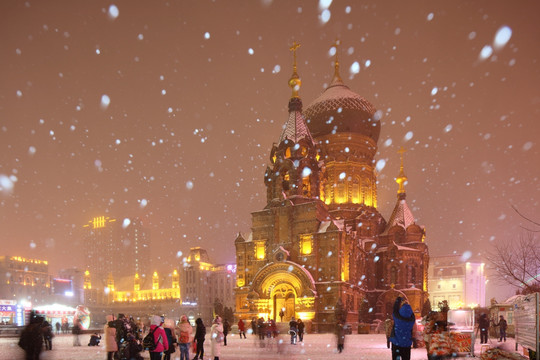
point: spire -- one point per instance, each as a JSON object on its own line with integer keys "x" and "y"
{"x": 294, "y": 81}
{"x": 337, "y": 78}
{"x": 401, "y": 179}
{"x": 296, "y": 127}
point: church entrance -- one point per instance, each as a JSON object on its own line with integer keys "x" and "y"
{"x": 283, "y": 298}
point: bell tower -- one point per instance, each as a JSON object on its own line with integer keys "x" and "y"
{"x": 295, "y": 168}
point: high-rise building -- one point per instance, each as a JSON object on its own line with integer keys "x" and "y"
{"x": 117, "y": 248}
{"x": 320, "y": 250}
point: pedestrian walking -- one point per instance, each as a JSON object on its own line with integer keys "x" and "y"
{"x": 301, "y": 327}
{"x": 503, "y": 325}
{"x": 216, "y": 337}
{"x": 31, "y": 340}
{"x": 483, "y": 327}
{"x": 253, "y": 326}
{"x": 261, "y": 328}
{"x": 184, "y": 331}
{"x": 160, "y": 338}
{"x": 76, "y": 331}
{"x": 47, "y": 335}
{"x": 340, "y": 335}
{"x": 293, "y": 330}
{"x": 200, "y": 334}
{"x": 241, "y": 328}
{"x": 226, "y": 329}
{"x": 58, "y": 327}
{"x": 404, "y": 320}
{"x": 109, "y": 332}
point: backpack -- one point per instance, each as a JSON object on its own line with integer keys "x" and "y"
{"x": 149, "y": 342}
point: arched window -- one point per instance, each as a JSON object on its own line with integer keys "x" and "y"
{"x": 288, "y": 153}
{"x": 393, "y": 275}
{"x": 285, "y": 182}
{"x": 306, "y": 185}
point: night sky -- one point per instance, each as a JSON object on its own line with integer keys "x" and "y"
{"x": 167, "y": 110}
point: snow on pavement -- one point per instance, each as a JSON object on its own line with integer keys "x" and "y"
{"x": 315, "y": 347}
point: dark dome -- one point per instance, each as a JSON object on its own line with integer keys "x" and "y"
{"x": 341, "y": 109}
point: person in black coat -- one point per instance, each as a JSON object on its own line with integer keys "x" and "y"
{"x": 226, "y": 329}
{"x": 200, "y": 333}
{"x": 301, "y": 327}
{"x": 95, "y": 338}
{"x": 31, "y": 340}
{"x": 47, "y": 334}
{"x": 483, "y": 325}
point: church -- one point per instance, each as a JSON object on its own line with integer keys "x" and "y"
{"x": 320, "y": 250}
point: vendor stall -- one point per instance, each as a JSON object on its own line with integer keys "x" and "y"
{"x": 461, "y": 331}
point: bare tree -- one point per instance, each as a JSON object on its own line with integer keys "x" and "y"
{"x": 517, "y": 263}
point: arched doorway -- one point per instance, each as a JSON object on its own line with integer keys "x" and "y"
{"x": 283, "y": 299}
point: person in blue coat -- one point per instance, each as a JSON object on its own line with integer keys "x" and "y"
{"x": 401, "y": 338}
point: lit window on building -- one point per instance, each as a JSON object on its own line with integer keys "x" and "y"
{"x": 306, "y": 244}
{"x": 260, "y": 252}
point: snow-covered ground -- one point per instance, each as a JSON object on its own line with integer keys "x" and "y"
{"x": 315, "y": 347}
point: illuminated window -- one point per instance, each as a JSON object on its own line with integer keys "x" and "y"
{"x": 288, "y": 153}
{"x": 260, "y": 252}
{"x": 306, "y": 185}
{"x": 306, "y": 244}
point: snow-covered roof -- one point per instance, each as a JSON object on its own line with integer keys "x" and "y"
{"x": 325, "y": 224}
{"x": 296, "y": 128}
{"x": 401, "y": 216}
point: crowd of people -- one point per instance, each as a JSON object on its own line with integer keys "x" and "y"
{"x": 125, "y": 339}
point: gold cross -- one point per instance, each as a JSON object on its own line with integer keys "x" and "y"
{"x": 293, "y": 49}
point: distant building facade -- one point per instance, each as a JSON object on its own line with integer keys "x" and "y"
{"x": 117, "y": 248}
{"x": 25, "y": 280}
{"x": 190, "y": 290}
{"x": 204, "y": 283}
{"x": 320, "y": 250}
{"x": 461, "y": 283}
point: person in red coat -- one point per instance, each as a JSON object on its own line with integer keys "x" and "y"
{"x": 160, "y": 338}
{"x": 241, "y": 328}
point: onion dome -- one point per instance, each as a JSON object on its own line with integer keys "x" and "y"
{"x": 338, "y": 109}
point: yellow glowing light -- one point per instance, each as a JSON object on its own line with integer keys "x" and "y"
{"x": 197, "y": 257}
{"x": 307, "y": 315}
{"x": 274, "y": 159}
{"x": 259, "y": 251}
{"x": 306, "y": 245}
{"x": 98, "y": 222}
{"x": 288, "y": 153}
{"x": 87, "y": 273}
{"x": 240, "y": 282}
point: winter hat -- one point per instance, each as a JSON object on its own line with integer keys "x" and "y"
{"x": 156, "y": 320}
